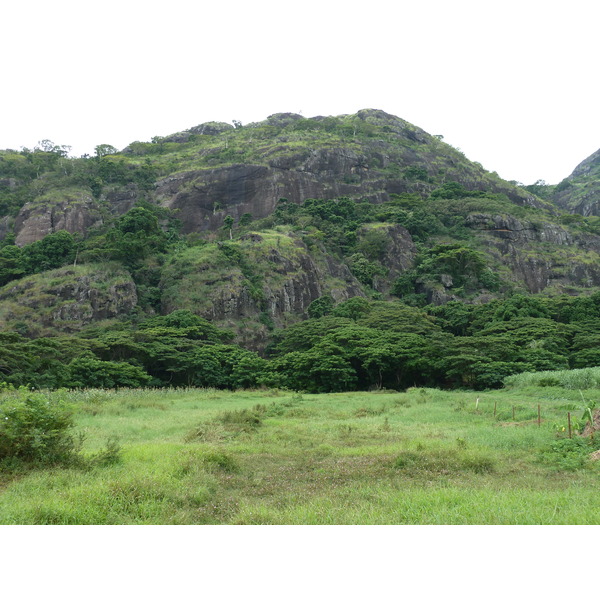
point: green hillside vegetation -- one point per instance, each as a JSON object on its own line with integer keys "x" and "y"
{"x": 384, "y": 146}
{"x": 203, "y": 456}
{"x": 421, "y": 275}
{"x": 42, "y": 305}
{"x": 369, "y": 341}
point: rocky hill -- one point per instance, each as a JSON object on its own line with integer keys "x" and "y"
{"x": 249, "y": 225}
{"x": 580, "y": 192}
{"x": 214, "y": 169}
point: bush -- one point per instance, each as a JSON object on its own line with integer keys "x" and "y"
{"x": 35, "y": 430}
{"x": 110, "y": 455}
{"x": 244, "y": 419}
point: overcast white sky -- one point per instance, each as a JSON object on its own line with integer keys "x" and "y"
{"x": 513, "y": 84}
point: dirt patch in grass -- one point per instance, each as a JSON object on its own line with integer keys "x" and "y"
{"x": 595, "y": 455}
{"x": 590, "y": 428}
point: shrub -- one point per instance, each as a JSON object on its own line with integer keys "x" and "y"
{"x": 35, "y": 430}
{"x": 109, "y": 455}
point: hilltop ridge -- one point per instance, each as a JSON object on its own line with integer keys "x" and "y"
{"x": 580, "y": 192}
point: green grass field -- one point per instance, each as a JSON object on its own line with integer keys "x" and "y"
{"x": 273, "y": 457}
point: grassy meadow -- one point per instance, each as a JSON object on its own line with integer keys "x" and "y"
{"x": 425, "y": 456}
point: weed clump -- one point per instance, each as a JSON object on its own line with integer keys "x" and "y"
{"x": 403, "y": 402}
{"x": 570, "y": 454}
{"x": 220, "y": 461}
{"x": 109, "y": 455}
{"x": 245, "y": 419}
{"x": 369, "y": 411}
{"x": 209, "y": 432}
{"x": 442, "y": 462}
{"x": 228, "y": 424}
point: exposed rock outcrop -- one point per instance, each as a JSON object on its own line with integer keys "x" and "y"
{"x": 285, "y": 276}
{"x": 211, "y": 128}
{"x": 507, "y": 227}
{"x": 5, "y": 226}
{"x": 202, "y": 199}
{"x": 580, "y": 191}
{"x": 68, "y": 298}
{"x": 541, "y": 254}
{"x": 74, "y": 213}
{"x": 121, "y": 199}
{"x": 401, "y": 250}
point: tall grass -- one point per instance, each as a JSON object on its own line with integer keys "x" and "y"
{"x": 574, "y": 379}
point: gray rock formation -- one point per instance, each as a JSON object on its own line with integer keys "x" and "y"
{"x": 211, "y": 128}
{"x": 68, "y": 298}
{"x": 540, "y": 255}
{"x": 290, "y": 277}
{"x": 580, "y": 191}
{"x": 38, "y": 219}
{"x": 507, "y": 227}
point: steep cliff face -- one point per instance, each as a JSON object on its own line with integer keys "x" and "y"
{"x": 67, "y": 299}
{"x": 580, "y": 192}
{"x": 394, "y": 158}
{"x": 75, "y": 212}
{"x": 269, "y": 275}
{"x": 540, "y": 254}
{"x": 203, "y": 198}
{"x": 397, "y": 254}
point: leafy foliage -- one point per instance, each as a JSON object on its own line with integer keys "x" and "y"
{"x": 34, "y": 429}
{"x": 55, "y": 250}
{"x": 570, "y": 454}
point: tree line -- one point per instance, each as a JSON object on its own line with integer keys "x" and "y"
{"x": 355, "y": 345}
